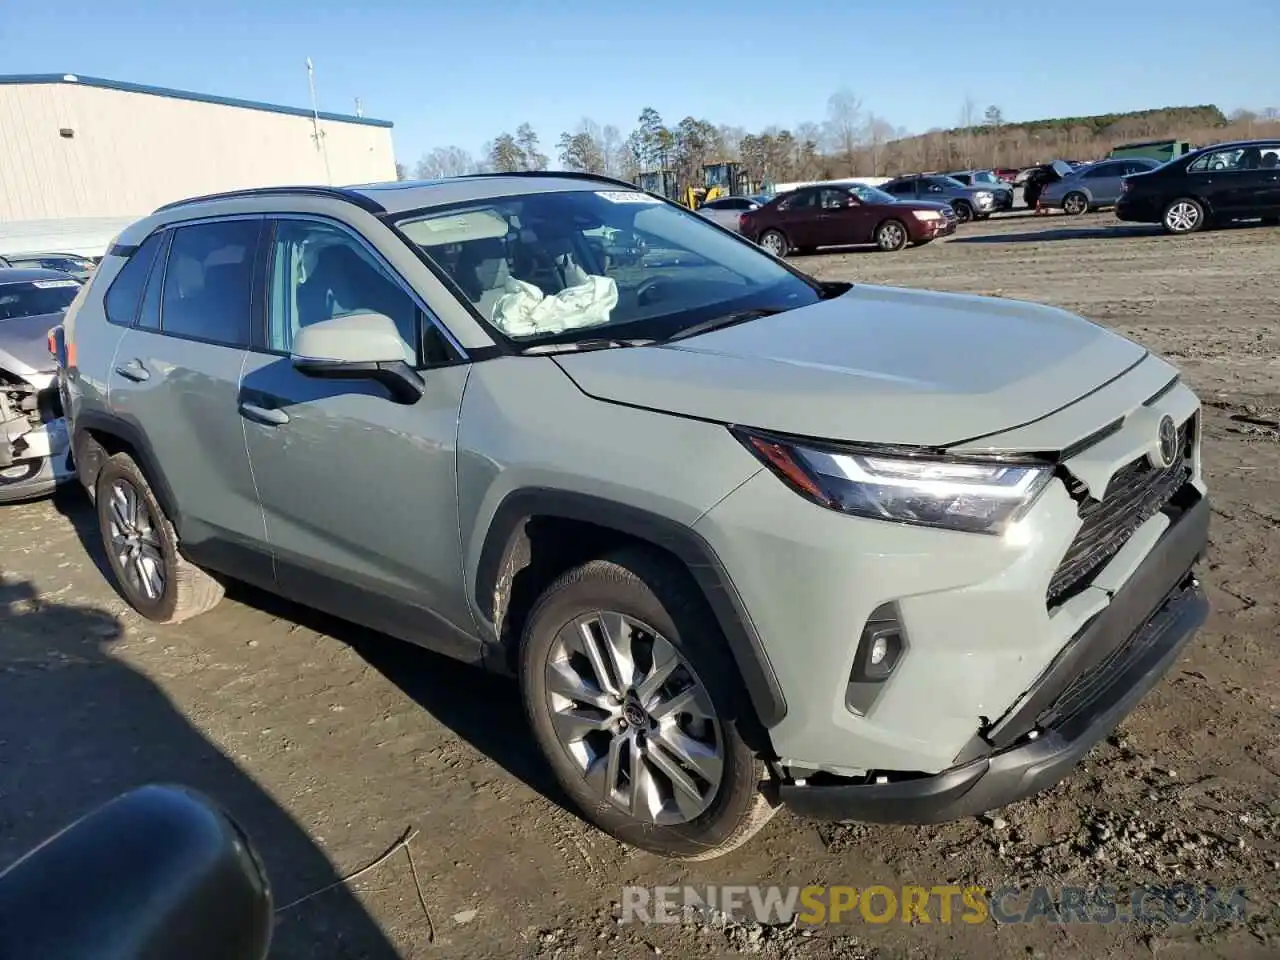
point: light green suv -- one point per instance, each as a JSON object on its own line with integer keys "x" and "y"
{"x": 745, "y": 538}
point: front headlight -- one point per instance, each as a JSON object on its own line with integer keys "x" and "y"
{"x": 984, "y": 196}
{"x": 972, "y": 495}
{"x": 926, "y": 214}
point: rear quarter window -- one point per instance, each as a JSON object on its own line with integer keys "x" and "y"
{"x": 124, "y": 296}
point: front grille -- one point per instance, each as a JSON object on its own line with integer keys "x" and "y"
{"x": 1135, "y": 494}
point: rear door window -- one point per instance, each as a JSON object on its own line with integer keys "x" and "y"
{"x": 208, "y": 281}
{"x": 125, "y": 294}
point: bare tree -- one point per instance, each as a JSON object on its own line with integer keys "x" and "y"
{"x": 402, "y": 172}
{"x": 968, "y": 119}
{"x": 611, "y": 146}
{"x": 445, "y": 162}
{"x": 875, "y": 134}
{"x": 844, "y": 119}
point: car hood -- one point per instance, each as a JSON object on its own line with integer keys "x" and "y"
{"x": 876, "y": 365}
{"x": 24, "y": 344}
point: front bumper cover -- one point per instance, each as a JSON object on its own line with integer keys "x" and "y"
{"x": 1101, "y": 676}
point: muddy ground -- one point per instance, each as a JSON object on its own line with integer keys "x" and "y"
{"x": 331, "y": 743}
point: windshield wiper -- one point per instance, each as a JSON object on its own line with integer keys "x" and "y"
{"x": 724, "y": 320}
{"x": 579, "y": 346}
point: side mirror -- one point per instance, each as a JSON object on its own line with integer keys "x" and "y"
{"x": 358, "y": 346}
{"x": 158, "y": 872}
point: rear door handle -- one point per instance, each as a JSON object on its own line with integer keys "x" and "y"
{"x": 134, "y": 370}
{"x": 265, "y": 415}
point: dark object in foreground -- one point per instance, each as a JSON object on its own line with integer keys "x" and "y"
{"x": 160, "y": 872}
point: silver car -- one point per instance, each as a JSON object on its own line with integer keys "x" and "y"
{"x": 744, "y": 537}
{"x": 33, "y": 436}
{"x": 1093, "y": 186}
{"x": 726, "y": 210}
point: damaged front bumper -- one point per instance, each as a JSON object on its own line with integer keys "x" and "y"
{"x": 1112, "y": 663}
{"x": 35, "y": 450}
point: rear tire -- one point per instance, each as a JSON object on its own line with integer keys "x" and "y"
{"x": 591, "y": 662}
{"x": 1075, "y": 204}
{"x": 775, "y": 243}
{"x": 1182, "y": 216}
{"x": 142, "y": 548}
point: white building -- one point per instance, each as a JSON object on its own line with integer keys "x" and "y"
{"x": 74, "y": 150}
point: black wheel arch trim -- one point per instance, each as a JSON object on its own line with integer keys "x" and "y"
{"x": 91, "y": 422}
{"x": 685, "y": 544}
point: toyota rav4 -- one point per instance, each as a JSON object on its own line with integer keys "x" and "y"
{"x": 746, "y": 539}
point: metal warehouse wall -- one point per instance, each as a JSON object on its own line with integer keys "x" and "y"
{"x": 133, "y": 152}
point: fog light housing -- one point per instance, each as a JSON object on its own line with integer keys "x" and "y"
{"x": 880, "y": 649}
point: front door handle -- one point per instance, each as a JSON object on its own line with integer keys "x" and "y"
{"x": 134, "y": 370}
{"x": 265, "y": 415}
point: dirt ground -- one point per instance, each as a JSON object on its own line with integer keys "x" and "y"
{"x": 330, "y": 743}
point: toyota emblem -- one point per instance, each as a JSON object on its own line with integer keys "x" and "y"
{"x": 1167, "y": 441}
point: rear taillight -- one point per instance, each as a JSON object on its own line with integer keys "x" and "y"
{"x": 1124, "y": 186}
{"x": 742, "y": 221}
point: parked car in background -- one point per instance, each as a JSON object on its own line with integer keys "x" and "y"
{"x": 969, "y": 203}
{"x": 1036, "y": 178}
{"x": 1007, "y": 174}
{"x": 845, "y": 215}
{"x": 69, "y": 263}
{"x": 987, "y": 179}
{"x": 1091, "y": 187}
{"x": 743, "y": 537}
{"x": 34, "y": 452}
{"x": 727, "y": 210}
{"x": 1217, "y": 184}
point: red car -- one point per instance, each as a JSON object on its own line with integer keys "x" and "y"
{"x": 1007, "y": 174}
{"x": 844, "y": 214}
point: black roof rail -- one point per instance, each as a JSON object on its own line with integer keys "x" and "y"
{"x": 562, "y": 174}
{"x": 334, "y": 193}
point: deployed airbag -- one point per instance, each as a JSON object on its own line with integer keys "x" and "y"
{"x": 586, "y": 301}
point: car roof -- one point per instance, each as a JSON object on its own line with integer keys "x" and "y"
{"x": 27, "y": 274}
{"x": 401, "y": 196}
{"x": 28, "y": 254}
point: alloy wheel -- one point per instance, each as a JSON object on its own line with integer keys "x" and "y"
{"x": 1075, "y": 204}
{"x": 892, "y": 236}
{"x": 1182, "y": 217}
{"x": 135, "y": 542}
{"x": 634, "y": 718}
{"x": 774, "y": 243}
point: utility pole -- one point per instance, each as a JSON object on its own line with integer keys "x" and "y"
{"x": 317, "y": 133}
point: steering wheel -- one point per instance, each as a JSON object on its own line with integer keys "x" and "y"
{"x": 645, "y": 291}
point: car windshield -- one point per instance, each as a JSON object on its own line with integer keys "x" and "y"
{"x": 871, "y": 194}
{"x": 619, "y": 264}
{"x": 986, "y": 176}
{"x": 951, "y": 181}
{"x": 33, "y": 298}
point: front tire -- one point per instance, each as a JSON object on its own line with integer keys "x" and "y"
{"x": 142, "y": 548}
{"x": 964, "y": 212}
{"x": 1183, "y": 216}
{"x": 891, "y": 236}
{"x": 1075, "y": 204}
{"x": 636, "y": 705}
{"x": 775, "y": 243}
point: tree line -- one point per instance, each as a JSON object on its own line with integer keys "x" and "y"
{"x": 851, "y": 140}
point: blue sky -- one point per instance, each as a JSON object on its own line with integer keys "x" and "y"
{"x": 461, "y": 71}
